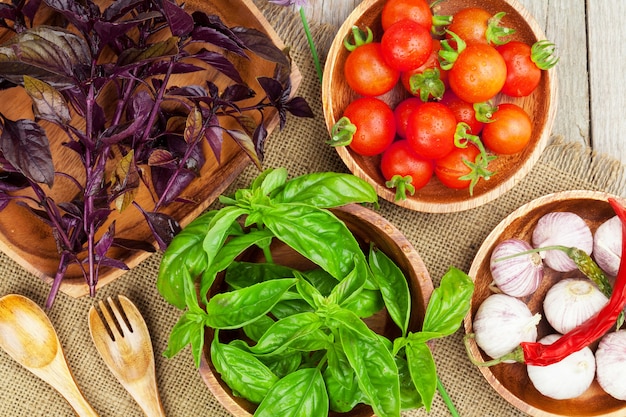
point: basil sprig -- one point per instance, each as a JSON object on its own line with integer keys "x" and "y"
{"x": 306, "y": 349}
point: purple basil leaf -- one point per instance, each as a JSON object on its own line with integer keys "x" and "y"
{"x": 111, "y": 30}
{"x": 113, "y": 263}
{"x": 272, "y": 88}
{"x": 163, "y": 227}
{"x": 105, "y": 242}
{"x": 259, "y": 43}
{"x": 214, "y": 135}
{"x": 119, "y": 8}
{"x": 138, "y": 56}
{"x": 7, "y": 11}
{"x": 162, "y": 177}
{"x": 12, "y": 181}
{"x": 299, "y": 107}
{"x": 162, "y": 158}
{"x": 77, "y": 14}
{"x": 48, "y": 103}
{"x": 132, "y": 244}
{"x": 187, "y": 91}
{"x": 5, "y": 199}
{"x": 237, "y": 92}
{"x": 162, "y": 67}
{"x": 246, "y": 143}
{"x": 259, "y": 137}
{"x": 72, "y": 209}
{"x": 211, "y": 29}
{"x": 180, "y": 22}
{"x": 30, "y": 9}
{"x": 25, "y": 145}
{"x": 220, "y": 63}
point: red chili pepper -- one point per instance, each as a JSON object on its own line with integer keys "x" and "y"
{"x": 538, "y": 354}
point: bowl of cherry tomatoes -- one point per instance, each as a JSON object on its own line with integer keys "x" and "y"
{"x": 442, "y": 109}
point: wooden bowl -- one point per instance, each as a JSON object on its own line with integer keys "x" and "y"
{"x": 511, "y": 380}
{"x": 29, "y": 242}
{"x": 367, "y": 226}
{"x": 435, "y": 197}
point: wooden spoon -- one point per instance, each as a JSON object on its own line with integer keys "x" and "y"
{"x": 27, "y": 335}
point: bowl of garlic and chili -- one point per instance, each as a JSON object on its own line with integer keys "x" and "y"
{"x": 511, "y": 380}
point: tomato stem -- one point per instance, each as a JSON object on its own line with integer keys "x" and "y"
{"x": 342, "y": 132}
{"x": 359, "y": 37}
{"x": 402, "y": 186}
{"x": 542, "y": 54}
{"x": 496, "y": 34}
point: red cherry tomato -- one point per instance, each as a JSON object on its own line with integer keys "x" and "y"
{"x": 375, "y": 125}
{"x": 452, "y": 167}
{"x": 509, "y": 132}
{"x": 522, "y": 75}
{"x": 427, "y": 84}
{"x": 396, "y": 10}
{"x": 470, "y": 24}
{"x": 367, "y": 73}
{"x": 478, "y": 73}
{"x": 463, "y": 111}
{"x": 430, "y": 130}
{"x": 400, "y": 160}
{"x": 406, "y": 45}
{"x": 402, "y": 112}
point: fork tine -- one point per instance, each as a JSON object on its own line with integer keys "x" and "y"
{"x": 120, "y": 316}
{"x": 109, "y": 321}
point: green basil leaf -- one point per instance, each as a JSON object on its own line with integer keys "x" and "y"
{"x": 341, "y": 383}
{"x": 220, "y": 228}
{"x": 188, "y": 330}
{"x": 184, "y": 255}
{"x": 257, "y": 328}
{"x": 227, "y": 254}
{"x": 299, "y": 394}
{"x": 237, "y": 308}
{"x": 286, "y": 308}
{"x": 350, "y": 287}
{"x": 283, "y": 332}
{"x": 244, "y": 274}
{"x": 393, "y": 287}
{"x": 321, "y": 280}
{"x": 326, "y": 190}
{"x": 423, "y": 371}
{"x": 409, "y": 396}
{"x": 449, "y": 303}
{"x": 368, "y": 303}
{"x": 247, "y": 376}
{"x": 309, "y": 293}
{"x": 283, "y": 365}
{"x": 316, "y": 234}
{"x": 372, "y": 362}
{"x": 274, "y": 179}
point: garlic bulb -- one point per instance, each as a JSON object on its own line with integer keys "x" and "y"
{"x": 611, "y": 364}
{"x": 572, "y": 301}
{"x": 562, "y": 229}
{"x": 566, "y": 379}
{"x": 501, "y": 323}
{"x": 607, "y": 245}
{"x": 517, "y": 276}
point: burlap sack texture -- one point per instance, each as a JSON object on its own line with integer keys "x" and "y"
{"x": 441, "y": 239}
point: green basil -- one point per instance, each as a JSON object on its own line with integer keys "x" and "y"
{"x": 244, "y": 274}
{"x": 189, "y": 329}
{"x": 220, "y": 228}
{"x": 410, "y": 398}
{"x": 368, "y": 303}
{"x": 247, "y": 376}
{"x": 283, "y": 332}
{"x": 184, "y": 255}
{"x": 321, "y": 280}
{"x": 326, "y": 190}
{"x": 449, "y": 303}
{"x": 423, "y": 371}
{"x": 317, "y": 235}
{"x": 283, "y": 365}
{"x": 257, "y": 328}
{"x": 393, "y": 287}
{"x": 343, "y": 388}
{"x": 299, "y": 394}
{"x": 350, "y": 287}
{"x": 237, "y": 308}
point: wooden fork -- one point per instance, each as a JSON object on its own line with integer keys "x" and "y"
{"x": 121, "y": 336}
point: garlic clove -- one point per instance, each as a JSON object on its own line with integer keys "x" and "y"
{"x": 607, "y": 245}
{"x": 570, "y": 302}
{"x": 501, "y": 323}
{"x": 562, "y": 228}
{"x": 611, "y": 364}
{"x": 566, "y": 379}
{"x": 517, "y": 276}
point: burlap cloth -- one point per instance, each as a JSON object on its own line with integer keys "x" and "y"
{"x": 441, "y": 239}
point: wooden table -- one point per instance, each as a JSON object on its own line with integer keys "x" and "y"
{"x": 591, "y": 107}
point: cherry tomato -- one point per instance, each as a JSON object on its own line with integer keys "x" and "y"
{"x": 430, "y": 130}
{"x": 400, "y": 160}
{"x": 406, "y": 45}
{"x": 478, "y": 73}
{"x": 427, "y": 84}
{"x": 402, "y": 112}
{"x": 367, "y": 73}
{"x": 375, "y": 125}
{"x": 396, "y": 10}
{"x": 522, "y": 76}
{"x": 509, "y": 132}
{"x": 463, "y": 111}
{"x": 452, "y": 167}
{"x": 470, "y": 24}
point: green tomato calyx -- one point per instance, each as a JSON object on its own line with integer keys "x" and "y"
{"x": 497, "y": 34}
{"x": 359, "y": 37}
{"x": 542, "y": 54}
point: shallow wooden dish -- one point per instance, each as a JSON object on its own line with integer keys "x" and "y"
{"x": 368, "y": 226}
{"x": 29, "y": 242}
{"x": 511, "y": 380}
{"x": 435, "y": 197}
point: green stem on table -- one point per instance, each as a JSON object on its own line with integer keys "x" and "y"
{"x": 446, "y": 398}
{"x": 309, "y": 39}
